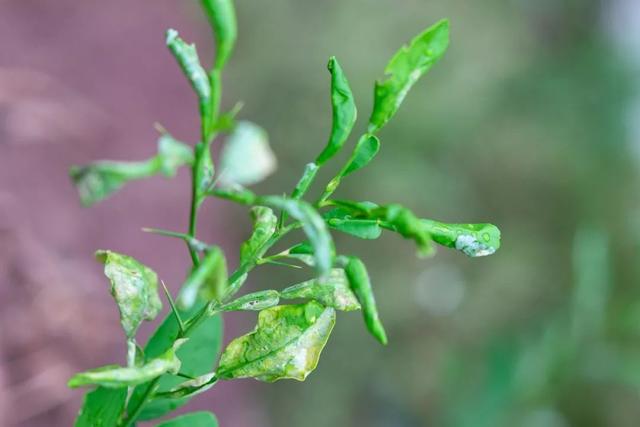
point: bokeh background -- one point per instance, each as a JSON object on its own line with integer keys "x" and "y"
{"x": 531, "y": 121}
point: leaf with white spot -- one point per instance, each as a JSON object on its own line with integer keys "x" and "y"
{"x": 332, "y": 291}
{"x": 474, "y": 240}
{"x": 246, "y": 157}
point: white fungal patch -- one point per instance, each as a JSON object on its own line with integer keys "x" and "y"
{"x": 470, "y": 246}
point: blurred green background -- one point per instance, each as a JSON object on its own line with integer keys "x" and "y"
{"x": 529, "y": 122}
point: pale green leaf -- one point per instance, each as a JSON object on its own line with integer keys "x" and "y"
{"x": 285, "y": 344}
{"x": 172, "y": 154}
{"x": 310, "y": 171}
{"x": 264, "y": 225}
{"x": 189, "y": 388}
{"x": 203, "y": 171}
{"x": 195, "y": 419}
{"x": 115, "y": 376}
{"x": 255, "y": 301}
{"x": 404, "y": 69}
{"x": 473, "y": 240}
{"x": 246, "y": 157}
{"x": 332, "y": 291}
{"x": 207, "y": 281}
{"x": 222, "y": 17}
{"x": 102, "y": 407}
{"x": 134, "y": 286}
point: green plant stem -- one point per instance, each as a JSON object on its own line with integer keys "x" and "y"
{"x": 131, "y": 418}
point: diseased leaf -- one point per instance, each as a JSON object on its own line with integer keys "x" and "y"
{"x": 222, "y": 18}
{"x": 366, "y": 149}
{"x": 404, "y": 222}
{"x": 208, "y": 280}
{"x": 332, "y": 291}
{"x": 313, "y": 226}
{"x": 246, "y": 157}
{"x": 404, "y": 69}
{"x": 115, "y": 376}
{"x": 195, "y": 419}
{"x": 362, "y": 228}
{"x": 344, "y": 112}
{"x": 134, "y": 286}
{"x": 172, "y": 154}
{"x": 203, "y": 171}
{"x": 474, "y": 240}
{"x": 190, "y": 388}
{"x": 102, "y": 407}
{"x": 255, "y": 301}
{"x": 285, "y": 344}
{"x": 310, "y": 171}
{"x": 264, "y": 225}
{"x": 361, "y": 285}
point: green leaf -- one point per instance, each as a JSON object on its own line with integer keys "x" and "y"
{"x": 190, "y": 388}
{"x": 187, "y": 58}
{"x": 115, "y": 376}
{"x": 362, "y": 228}
{"x": 264, "y": 225}
{"x": 310, "y": 171}
{"x": 285, "y": 344}
{"x": 195, "y": 419}
{"x": 404, "y": 222}
{"x": 208, "y": 280}
{"x": 102, "y": 407}
{"x": 172, "y": 154}
{"x": 203, "y": 172}
{"x": 344, "y": 112}
{"x": 197, "y": 355}
{"x": 255, "y": 301}
{"x": 366, "y": 149}
{"x": 246, "y": 157}
{"x": 404, "y": 69}
{"x": 474, "y": 240}
{"x": 302, "y": 252}
{"x": 134, "y": 286}
{"x": 222, "y": 17}
{"x": 313, "y": 226}
{"x": 332, "y": 291}
{"x": 361, "y": 285}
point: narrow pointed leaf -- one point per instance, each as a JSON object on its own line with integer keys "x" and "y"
{"x": 310, "y": 171}
{"x": 332, "y": 291}
{"x": 264, "y": 225}
{"x": 190, "y": 388}
{"x": 361, "y": 285}
{"x": 344, "y": 112}
{"x": 285, "y": 344}
{"x": 313, "y": 226}
{"x": 222, "y": 18}
{"x": 474, "y": 240}
{"x": 246, "y": 157}
{"x": 255, "y": 301}
{"x": 366, "y": 149}
{"x": 302, "y": 252}
{"x": 207, "y": 281}
{"x": 102, "y": 407}
{"x": 195, "y": 419}
{"x": 115, "y": 376}
{"x": 134, "y": 286}
{"x": 404, "y": 69}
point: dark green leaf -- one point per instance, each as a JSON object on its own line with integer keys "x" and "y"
{"x": 116, "y": 376}
{"x": 365, "y": 151}
{"x": 361, "y": 285}
{"x": 208, "y": 280}
{"x": 313, "y": 226}
{"x": 102, "y": 407}
{"x": 196, "y": 419}
{"x": 404, "y": 69}
{"x": 344, "y": 112}
{"x": 246, "y": 157}
{"x": 134, "y": 286}
{"x": 264, "y": 225}
{"x": 222, "y": 17}
{"x": 474, "y": 240}
{"x": 285, "y": 344}
{"x": 255, "y": 301}
{"x": 332, "y": 291}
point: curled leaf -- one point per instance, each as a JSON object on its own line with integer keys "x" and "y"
{"x": 332, "y": 291}
{"x": 361, "y": 285}
{"x": 264, "y": 225}
{"x": 404, "y": 222}
{"x": 474, "y": 240}
{"x": 134, "y": 286}
{"x": 255, "y": 301}
{"x": 246, "y": 157}
{"x": 404, "y": 69}
{"x": 190, "y": 388}
{"x": 222, "y": 17}
{"x": 285, "y": 344}
{"x": 208, "y": 280}
{"x": 115, "y": 376}
{"x": 366, "y": 149}
{"x": 344, "y": 112}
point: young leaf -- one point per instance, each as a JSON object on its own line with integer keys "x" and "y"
{"x": 332, "y": 291}
{"x": 255, "y": 301}
{"x": 222, "y": 17}
{"x": 134, "y": 286}
{"x": 404, "y": 222}
{"x": 208, "y": 280}
{"x": 404, "y": 69}
{"x": 286, "y": 344}
{"x": 361, "y": 285}
{"x": 362, "y": 228}
{"x": 310, "y": 171}
{"x": 264, "y": 225}
{"x": 172, "y": 154}
{"x": 195, "y": 419}
{"x": 115, "y": 376}
{"x": 302, "y": 252}
{"x": 203, "y": 172}
{"x": 344, "y": 112}
{"x": 190, "y": 388}
{"x": 366, "y": 149}
{"x": 313, "y": 226}
{"x": 474, "y": 240}
{"x": 246, "y": 157}
{"x": 102, "y": 407}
